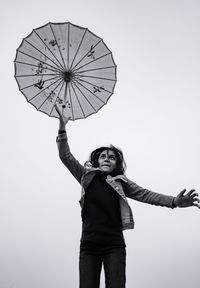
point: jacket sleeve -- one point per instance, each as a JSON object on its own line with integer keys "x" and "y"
{"x": 68, "y": 159}
{"x": 138, "y": 193}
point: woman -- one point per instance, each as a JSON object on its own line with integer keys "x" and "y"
{"x": 105, "y": 210}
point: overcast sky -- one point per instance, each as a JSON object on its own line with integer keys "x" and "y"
{"x": 153, "y": 117}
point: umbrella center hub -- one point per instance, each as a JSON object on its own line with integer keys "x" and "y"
{"x": 68, "y": 75}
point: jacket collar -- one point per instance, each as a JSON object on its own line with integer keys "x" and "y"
{"x": 121, "y": 177}
{"x": 109, "y": 177}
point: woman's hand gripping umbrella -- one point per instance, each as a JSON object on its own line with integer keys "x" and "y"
{"x": 63, "y": 120}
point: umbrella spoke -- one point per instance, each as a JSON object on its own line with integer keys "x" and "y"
{"x": 95, "y": 77}
{"x": 85, "y": 97}
{"x": 45, "y": 89}
{"x": 65, "y": 94}
{"x": 48, "y": 47}
{"x": 78, "y": 100}
{"x": 57, "y": 97}
{"x": 91, "y": 61}
{"x": 85, "y": 55}
{"x": 34, "y": 65}
{"x": 78, "y": 49}
{"x": 91, "y": 92}
{"x": 39, "y": 81}
{"x": 68, "y": 47}
{"x": 70, "y": 98}
{"x": 36, "y": 75}
{"x": 45, "y": 55}
{"x": 92, "y": 84}
{"x": 55, "y": 69}
{"x": 52, "y": 92}
{"x": 95, "y": 69}
{"x": 58, "y": 46}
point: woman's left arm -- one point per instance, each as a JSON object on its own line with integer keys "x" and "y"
{"x": 138, "y": 193}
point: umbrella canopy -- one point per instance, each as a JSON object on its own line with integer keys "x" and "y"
{"x": 67, "y": 65}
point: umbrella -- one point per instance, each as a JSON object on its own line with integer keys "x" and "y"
{"x": 65, "y": 65}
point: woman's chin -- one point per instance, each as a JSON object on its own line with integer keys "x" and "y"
{"x": 106, "y": 170}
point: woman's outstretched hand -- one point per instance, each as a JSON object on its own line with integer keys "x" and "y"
{"x": 63, "y": 120}
{"x": 189, "y": 199}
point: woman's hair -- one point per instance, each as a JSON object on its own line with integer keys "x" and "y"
{"x": 121, "y": 165}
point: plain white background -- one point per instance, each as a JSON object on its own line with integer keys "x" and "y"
{"x": 153, "y": 116}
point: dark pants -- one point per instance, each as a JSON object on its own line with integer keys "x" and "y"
{"x": 90, "y": 263}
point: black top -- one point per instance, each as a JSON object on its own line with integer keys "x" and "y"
{"x": 101, "y": 213}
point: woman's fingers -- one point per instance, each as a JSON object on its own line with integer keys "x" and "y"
{"x": 67, "y": 119}
{"x": 197, "y": 205}
{"x": 195, "y": 199}
{"x": 181, "y": 194}
{"x": 62, "y": 117}
{"x": 194, "y": 195}
{"x": 191, "y": 192}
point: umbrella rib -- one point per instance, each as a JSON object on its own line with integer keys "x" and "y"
{"x": 101, "y": 68}
{"x": 70, "y": 97}
{"x": 34, "y": 65}
{"x": 49, "y": 95}
{"x": 43, "y": 81}
{"x": 68, "y": 46}
{"x": 86, "y": 55}
{"x": 56, "y": 98}
{"x": 85, "y": 97}
{"x": 44, "y": 89}
{"x": 94, "y": 60}
{"x": 78, "y": 48}
{"x": 91, "y": 85}
{"x": 58, "y": 46}
{"x": 36, "y": 75}
{"x": 44, "y": 54}
{"x": 78, "y": 100}
{"x": 48, "y": 47}
{"x": 91, "y": 92}
{"x": 95, "y": 77}
{"x": 56, "y": 69}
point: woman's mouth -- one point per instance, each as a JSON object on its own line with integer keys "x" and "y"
{"x": 105, "y": 165}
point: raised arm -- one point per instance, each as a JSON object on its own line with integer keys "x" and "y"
{"x": 65, "y": 154}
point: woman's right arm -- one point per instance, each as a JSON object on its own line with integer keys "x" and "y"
{"x": 65, "y": 154}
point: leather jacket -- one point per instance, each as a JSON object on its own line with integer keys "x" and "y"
{"x": 120, "y": 183}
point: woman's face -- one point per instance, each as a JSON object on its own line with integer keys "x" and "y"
{"x": 107, "y": 161}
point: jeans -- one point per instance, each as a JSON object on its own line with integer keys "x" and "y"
{"x": 113, "y": 258}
